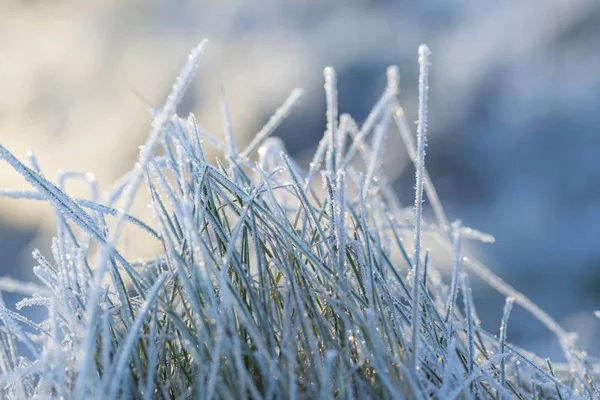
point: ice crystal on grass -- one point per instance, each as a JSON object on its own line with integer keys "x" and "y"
{"x": 267, "y": 286}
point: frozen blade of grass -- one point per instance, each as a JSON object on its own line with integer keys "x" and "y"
{"x": 315, "y": 164}
{"x": 32, "y": 302}
{"x": 213, "y": 140}
{"x": 380, "y": 134}
{"x": 55, "y": 333}
{"x": 21, "y": 194}
{"x": 117, "y": 188}
{"x": 182, "y": 170}
{"x": 474, "y": 234}
{"x": 107, "y": 347}
{"x": 549, "y": 363}
{"x": 196, "y": 142}
{"x": 378, "y": 142}
{"x": 466, "y": 293}
{"x": 248, "y": 201}
{"x": 368, "y": 125}
{"x": 326, "y": 177}
{"x": 420, "y": 162}
{"x": 178, "y": 135}
{"x": 9, "y": 320}
{"x": 384, "y": 187}
{"x": 465, "y": 232}
{"x": 64, "y": 204}
{"x": 365, "y": 228}
{"x": 15, "y": 286}
{"x": 332, "y": 116}
{"x": 393, "y": 80}
{"x": 18, "y": 317}
{"x": 34, "y": 195}
{"x": 276, "y": 119}
{"x": 232, "y": 151}
{"x": 339, "y": 219}
{"x": 456, "y": 262}
{"x": 152, "y": 357}
{"x": 52, "y": 193}
{"x": 503, "y": 327}
{"x": 114, "y": 212}
{"x": 450, "y": 370}
{"x": 341, "y": 137}
{"x": 188, "y": 287}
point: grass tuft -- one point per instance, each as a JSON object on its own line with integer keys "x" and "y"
{"x": 267, "y": 286}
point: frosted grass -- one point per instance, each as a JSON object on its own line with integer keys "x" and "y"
{"x": 266, "y": 287}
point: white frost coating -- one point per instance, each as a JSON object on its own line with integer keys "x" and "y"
{"x": 420, "y": 162}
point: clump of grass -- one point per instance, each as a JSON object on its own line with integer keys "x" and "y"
{"x": 267, "y": 286}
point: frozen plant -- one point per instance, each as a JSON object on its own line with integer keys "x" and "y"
{"x": 270, "y": 285}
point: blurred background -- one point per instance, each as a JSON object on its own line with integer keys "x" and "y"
{"x": 514, "y": 125}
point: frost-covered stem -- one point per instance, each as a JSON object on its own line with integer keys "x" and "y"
{"x": 340, "y": 213}
{"x": 466, "y": 293}
{"x": 53, "y": 317}
{"x": 432, "y": 196}
{"x": 379, "y": 139}
{"x": 393, "y": 79}
{"x": 508, "y": 305}
{"x": 276, "y": 119}
{"x": 332, "y": 116}
{"x": 456, "y": 262}
{"x": 421, "y": 142}
{"x": 197, "y": 145}
{"x": 225, "y": 114}
{"x": 368, "y": 125}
